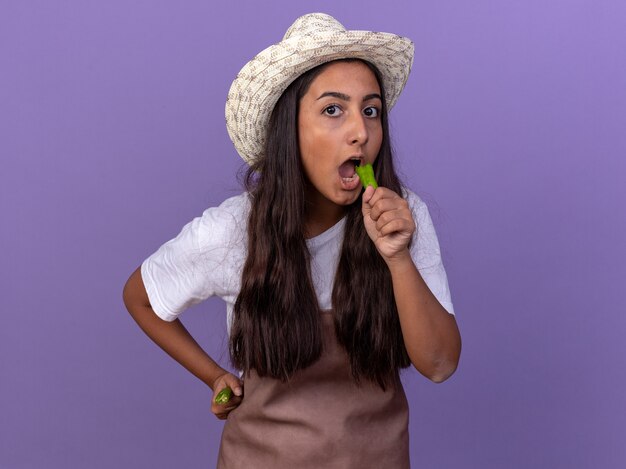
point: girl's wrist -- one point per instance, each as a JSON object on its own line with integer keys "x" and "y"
{"x": 400, "y": 262}
{"x": 215, "y": 376}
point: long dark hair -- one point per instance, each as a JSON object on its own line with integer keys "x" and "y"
{"x": 276, "y": 327}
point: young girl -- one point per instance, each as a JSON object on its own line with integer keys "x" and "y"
{"x": 330, "y": 289}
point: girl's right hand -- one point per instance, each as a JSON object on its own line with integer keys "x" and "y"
{"x": 221, "y": 411}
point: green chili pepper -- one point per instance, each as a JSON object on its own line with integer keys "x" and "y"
{"x": 224, "y": 396}
{"x": 366, "y": 175}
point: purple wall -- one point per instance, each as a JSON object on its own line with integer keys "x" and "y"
{"x": 512, "y": 128}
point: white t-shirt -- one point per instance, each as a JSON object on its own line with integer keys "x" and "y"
{"x": 207, "y": 257}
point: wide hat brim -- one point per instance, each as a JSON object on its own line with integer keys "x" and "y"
{"x": 261, "y": 82}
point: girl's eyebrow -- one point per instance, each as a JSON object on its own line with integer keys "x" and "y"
{"x": 345, "y": 97}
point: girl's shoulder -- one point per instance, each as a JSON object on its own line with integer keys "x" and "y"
{"x": 226, "y": 221}
{"x": 236, "y": 205}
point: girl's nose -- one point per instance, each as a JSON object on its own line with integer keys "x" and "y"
{"x": 358, "y": 130}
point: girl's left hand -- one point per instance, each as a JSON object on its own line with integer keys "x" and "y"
{"x": 388, "y": 222}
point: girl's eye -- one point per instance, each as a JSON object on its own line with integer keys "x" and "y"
{"x": 332, "y": 110}
{"x": 371, "y": 112}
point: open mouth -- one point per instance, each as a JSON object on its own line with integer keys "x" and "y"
{"x": 347, "y": 171}
{"x": 350, "y": 180}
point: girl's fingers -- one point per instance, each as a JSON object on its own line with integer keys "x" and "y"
{"x": 234, "y": 383}
{"x": 387, "y": 216}
{"x": 381, "y": 193}
{"x": 368, "y": 193}
{"x": 385, "y": 204}
{"x": 388, "y": 220}
{"x": 397, "y": 225}
{"x": 230, "y": 405}
{"x": 394, "y": 215}
{"x": 382, "y": 206}
{"x": 227, "y": 380}
{"x": 222, "y": 411}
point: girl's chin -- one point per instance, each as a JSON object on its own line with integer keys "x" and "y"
{"x": 345, "y": 197}
{"x": 338, "y": 194}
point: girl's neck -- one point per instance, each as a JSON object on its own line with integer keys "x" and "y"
{"x": 321, "y": 215}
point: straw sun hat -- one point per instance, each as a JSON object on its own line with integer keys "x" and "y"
{"x": 311, "y": 40}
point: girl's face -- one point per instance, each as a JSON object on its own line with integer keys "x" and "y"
{"x": 339, "y": 123}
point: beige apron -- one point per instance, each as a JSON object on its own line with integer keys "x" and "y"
{"x": 320, "y": 419}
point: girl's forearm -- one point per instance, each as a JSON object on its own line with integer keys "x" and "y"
{"x": 430, "y": 333}
{"x": 176, "y": 341}
{"x": 172, "y": 337}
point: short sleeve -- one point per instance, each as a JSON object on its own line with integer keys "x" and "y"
{"x": 203, "y": 260}
{"x": 426, "y": 253}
